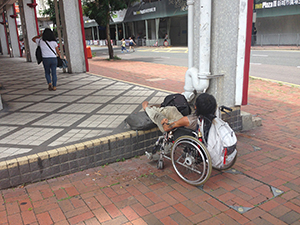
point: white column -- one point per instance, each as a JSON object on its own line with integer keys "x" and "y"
{"x": 117, "y": 34}
{"x": 73, "y": 40}
{"x": 146, "y": 27}
{"x": 190, "y": 4}
{"x": 31, "y": 29}
{"x": 152, "y": 29}
{"x": 93, "y": 34}
{"x": 124, "y": 31}
{"x": 98, "y": 36}
{"x": 13, "y": 31}
{"x": 132, "y": 29}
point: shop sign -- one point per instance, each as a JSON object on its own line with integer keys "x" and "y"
{"x": 118, "y": 16}
{"x": 17, "y": 8}
{"x": 276, "y": 3}
{"x": 144, "y": 11}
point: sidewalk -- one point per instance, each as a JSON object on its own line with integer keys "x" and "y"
{"x": 263, "y": 188}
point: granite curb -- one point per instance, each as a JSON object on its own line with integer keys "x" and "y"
{"x": 77, "y": 157}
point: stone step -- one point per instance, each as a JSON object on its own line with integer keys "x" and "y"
{"x": 249, "y": 122}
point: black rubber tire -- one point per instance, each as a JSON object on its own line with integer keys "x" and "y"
{"x": 191, "y": 160}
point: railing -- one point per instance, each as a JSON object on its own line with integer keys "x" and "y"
{"x": 276, "y": 39}
{"x": 139, "y": 42}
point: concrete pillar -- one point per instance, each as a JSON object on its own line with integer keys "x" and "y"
{"x": 93, "y": 34}
{"x": 117, "y": 34}
{"x": 98, "y": 36}
{"x": 73, "y": 39}
{"x": 146, "y": 28}
{"x": 3, "y": 36}
{"x": 152, "y": 29}
{"x": 132, "y": 29}
{"x": 227, "y": 47}
{"x": 12, "y": 25}
{"x": 30, "y": 26}
{"x": 124, "y": 31}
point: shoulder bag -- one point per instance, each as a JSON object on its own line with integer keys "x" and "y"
{"x": 38, "y": 54}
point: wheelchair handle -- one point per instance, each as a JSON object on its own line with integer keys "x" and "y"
{"x": 223, "y": 108}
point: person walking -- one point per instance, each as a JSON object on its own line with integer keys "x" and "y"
{"x": 166, "y": 37}
{"x": 22, "y": 47}
{"x": 131, "y": 43}
{"x": 48, "y": 43}
{"x": 123, "y": 45}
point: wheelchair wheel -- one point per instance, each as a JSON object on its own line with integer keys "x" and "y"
{"x": 191, "y": 160}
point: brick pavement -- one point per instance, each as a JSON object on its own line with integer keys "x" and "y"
{"x": 263, "y": 188}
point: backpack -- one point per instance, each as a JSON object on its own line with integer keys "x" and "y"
{"x": 221, "y": 143}
{"x": 179, "y": 101}
{"x": 140, "y": 121}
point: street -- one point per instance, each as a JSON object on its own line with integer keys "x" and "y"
{"x": 276, "y": 65}
{"x": 279, "y": 65}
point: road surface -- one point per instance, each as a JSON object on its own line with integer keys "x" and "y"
{"x": 280, "y": 65}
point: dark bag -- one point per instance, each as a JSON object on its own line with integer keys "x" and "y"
{"x": 64, "y": 63}
{"x": 59, "y": 62}
{"x": 179, "y": 101}
{"x": 140, "y": 121}
{"x": 38, "y": 54}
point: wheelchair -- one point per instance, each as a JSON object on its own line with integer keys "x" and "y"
{"x": 189, "y": 156}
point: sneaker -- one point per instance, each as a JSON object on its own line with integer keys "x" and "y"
{"x": 149, "y": 155}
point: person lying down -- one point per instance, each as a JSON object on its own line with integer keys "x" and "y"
{"x": 168, "y": 118}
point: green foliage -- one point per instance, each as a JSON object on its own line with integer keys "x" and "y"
{"x": 101, "y": 10}
{"x": 50, "y": 11}
{"x": 178, "y": 3}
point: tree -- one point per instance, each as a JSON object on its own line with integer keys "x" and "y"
{"x": 50, "y": 11}
{"x": 101, "y": 11}
{"x": 178, "y": 3}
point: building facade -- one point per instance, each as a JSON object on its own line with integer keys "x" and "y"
{"x": 147, "y": 22}
{"x": 277, "y": 22}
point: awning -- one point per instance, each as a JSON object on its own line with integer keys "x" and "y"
{"x": 159, "y": 9}
{"x": 88, "y": 24}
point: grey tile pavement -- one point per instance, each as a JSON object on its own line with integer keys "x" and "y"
{"x": 84, "y": 107}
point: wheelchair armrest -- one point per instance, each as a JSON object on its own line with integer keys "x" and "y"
{"x": 182, "y": 131}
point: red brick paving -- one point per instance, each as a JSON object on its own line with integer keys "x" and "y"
{"x": 118, "y": 194}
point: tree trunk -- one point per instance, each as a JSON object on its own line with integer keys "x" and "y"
{"x": 110, "y": 49}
